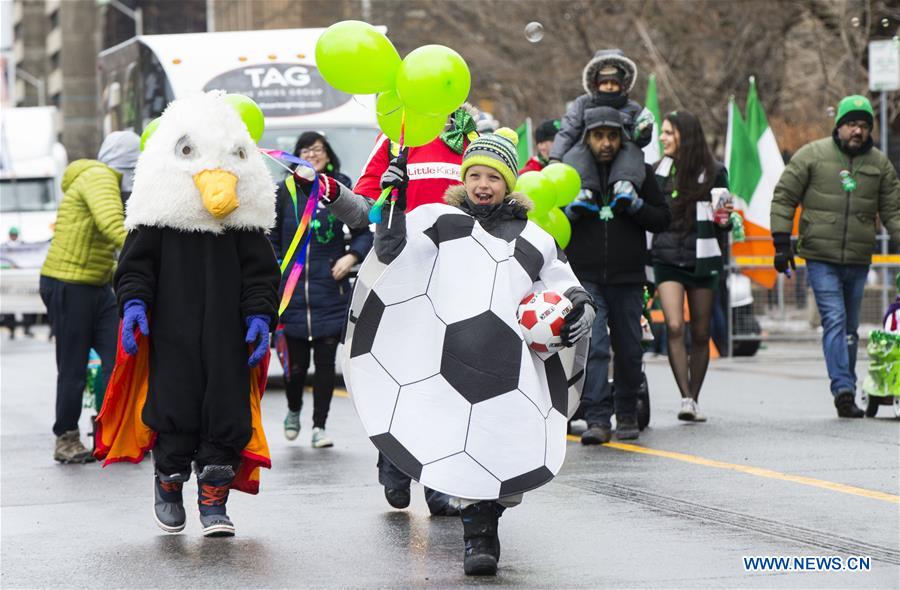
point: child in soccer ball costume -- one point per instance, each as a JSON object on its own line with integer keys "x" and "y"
{"x": 489, "y": 174}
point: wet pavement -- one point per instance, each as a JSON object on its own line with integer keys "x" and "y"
{"x": 773, "y": 473}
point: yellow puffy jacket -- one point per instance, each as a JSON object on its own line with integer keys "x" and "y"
{"x": 90, "y": 225}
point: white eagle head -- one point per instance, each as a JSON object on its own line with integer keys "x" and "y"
{"x": 201, "y": 170}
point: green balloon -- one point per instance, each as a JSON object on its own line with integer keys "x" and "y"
{"x": 433, "y": 79}
{"x": 566, "y": 182}
{"x": 420, "y": 128}
{"x": 559, "y": 227}
{"x": 539, "y": 189}
{"x": 250, "y": 114}
{"x": 149, "y": 130}
{"x": 356, "y": 58}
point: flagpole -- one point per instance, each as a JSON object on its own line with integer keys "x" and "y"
{"x": 884, "y": 130}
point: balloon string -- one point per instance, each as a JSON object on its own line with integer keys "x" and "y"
{"x": 396, "y": 193}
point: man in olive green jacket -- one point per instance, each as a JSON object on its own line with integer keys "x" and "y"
{"x": 76, "y": 278}
{"x": 842, "y": 183}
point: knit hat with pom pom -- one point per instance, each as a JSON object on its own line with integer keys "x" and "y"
{"x": 496, "y": 150}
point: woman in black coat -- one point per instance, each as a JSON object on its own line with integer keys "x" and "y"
{"x": 314, "y": 319}
{"x": 687, "y": 258}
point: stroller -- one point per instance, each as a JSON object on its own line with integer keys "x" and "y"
{"x": 643, "y": 396}
{"x": 882, "y": 383}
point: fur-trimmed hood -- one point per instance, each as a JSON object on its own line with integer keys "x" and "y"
{"x": 165, "y": 194}
{"x": 456, "y": 196}
{"x": 604, "y": 57}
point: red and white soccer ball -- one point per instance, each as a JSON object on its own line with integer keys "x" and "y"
{"x": 541, "y": 317}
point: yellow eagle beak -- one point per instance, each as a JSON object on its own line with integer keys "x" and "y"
{"x": 219, "y": 191}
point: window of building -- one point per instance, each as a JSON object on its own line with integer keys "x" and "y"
{"x": 53, "y": 19}
{"x": 54, "y": 61}
{"x": 56, "y": 99}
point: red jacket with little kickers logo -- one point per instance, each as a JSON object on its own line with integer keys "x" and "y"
{"x": 432, "y": 169}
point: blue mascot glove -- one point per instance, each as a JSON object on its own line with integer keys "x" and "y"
{"x": 134, "y": 314}
{"x": 258, "y": 332}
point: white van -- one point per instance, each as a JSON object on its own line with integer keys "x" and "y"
{"x": 32, "y": 162}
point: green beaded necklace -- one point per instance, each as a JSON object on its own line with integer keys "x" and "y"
{"x": 316, "y": 225}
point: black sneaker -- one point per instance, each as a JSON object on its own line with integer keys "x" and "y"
{"x": 397, "y": 497}
{"x": 627, "y": 429}
{"x": 596, "y": 434}
{"x": 846, "y": 405}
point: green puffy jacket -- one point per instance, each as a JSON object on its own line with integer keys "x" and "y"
{"x": 837, "y": 226}
{"x": 90, "y": 225}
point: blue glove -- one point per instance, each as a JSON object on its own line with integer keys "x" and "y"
{"x": 624, "y": 191}
{"x": 584, "y": 204}
{"x": 258, "y": 332}
{"x": 134, "y": 313}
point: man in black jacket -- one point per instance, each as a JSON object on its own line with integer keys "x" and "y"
{"x": 607, "y": 252}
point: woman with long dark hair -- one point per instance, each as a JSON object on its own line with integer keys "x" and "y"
{"x": 314, "y": 319}
{"x": 687, "y": 258}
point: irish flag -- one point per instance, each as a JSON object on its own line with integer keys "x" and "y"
{"x": 754, "y": 167}
{"x": 653, "y": 150}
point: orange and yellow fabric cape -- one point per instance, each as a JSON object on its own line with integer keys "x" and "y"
{"x": 121, "y": 434}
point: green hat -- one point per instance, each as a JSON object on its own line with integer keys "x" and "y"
{"x": 14, "y": 230}
{"x": 854, "y": 108}
{"x": 496, "y": 150}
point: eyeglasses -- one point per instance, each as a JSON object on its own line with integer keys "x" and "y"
{"x": 312, "y": 151}
{"x": 862, "y": 125}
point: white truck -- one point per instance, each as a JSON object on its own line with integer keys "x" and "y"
{"x": 32, "y": 162}
{"x": 276, "y": 68}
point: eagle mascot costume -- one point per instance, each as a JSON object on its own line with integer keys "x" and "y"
{"x": 197, "y": 286}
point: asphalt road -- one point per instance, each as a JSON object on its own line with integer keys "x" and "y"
{"x": 773, "y": 473}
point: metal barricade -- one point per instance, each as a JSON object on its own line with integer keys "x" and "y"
{"x": 787, "y": 312}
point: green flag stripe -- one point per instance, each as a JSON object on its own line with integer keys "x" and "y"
{"x": 744, "y": 169}
{"x": 652, "y": 104}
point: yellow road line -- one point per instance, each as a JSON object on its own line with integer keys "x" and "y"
{"x": 748, "y": 469}
{"x": 757, "y": 471}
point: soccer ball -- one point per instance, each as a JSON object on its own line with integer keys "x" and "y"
{"x": 541, "y": 317}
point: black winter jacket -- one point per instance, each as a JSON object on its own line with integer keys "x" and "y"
{"x": 319, "y": 304}
{"x": 677, "y": 246}
{"x": 615, "y": 251}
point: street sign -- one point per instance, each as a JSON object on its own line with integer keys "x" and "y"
{"x": 884, "y": 65}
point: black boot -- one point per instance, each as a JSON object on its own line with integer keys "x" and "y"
{"x": 213, "y": 483}
{"x": 846, "y": 406}
{"x": 168, "y": 503}
{"x": 480, "y": 535}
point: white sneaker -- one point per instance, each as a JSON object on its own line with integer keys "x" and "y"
{"x": 291, "y": 425}
{"x": 320, "y": 440}
{"x": 688, "y": 411}
{"x": 698, "y": 417}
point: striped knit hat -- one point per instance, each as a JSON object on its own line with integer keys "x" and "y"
{"x": 496, "y": 150}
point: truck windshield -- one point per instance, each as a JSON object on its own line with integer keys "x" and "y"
{"x": 351, "y": 144}
{"x": 27, "y": 194}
